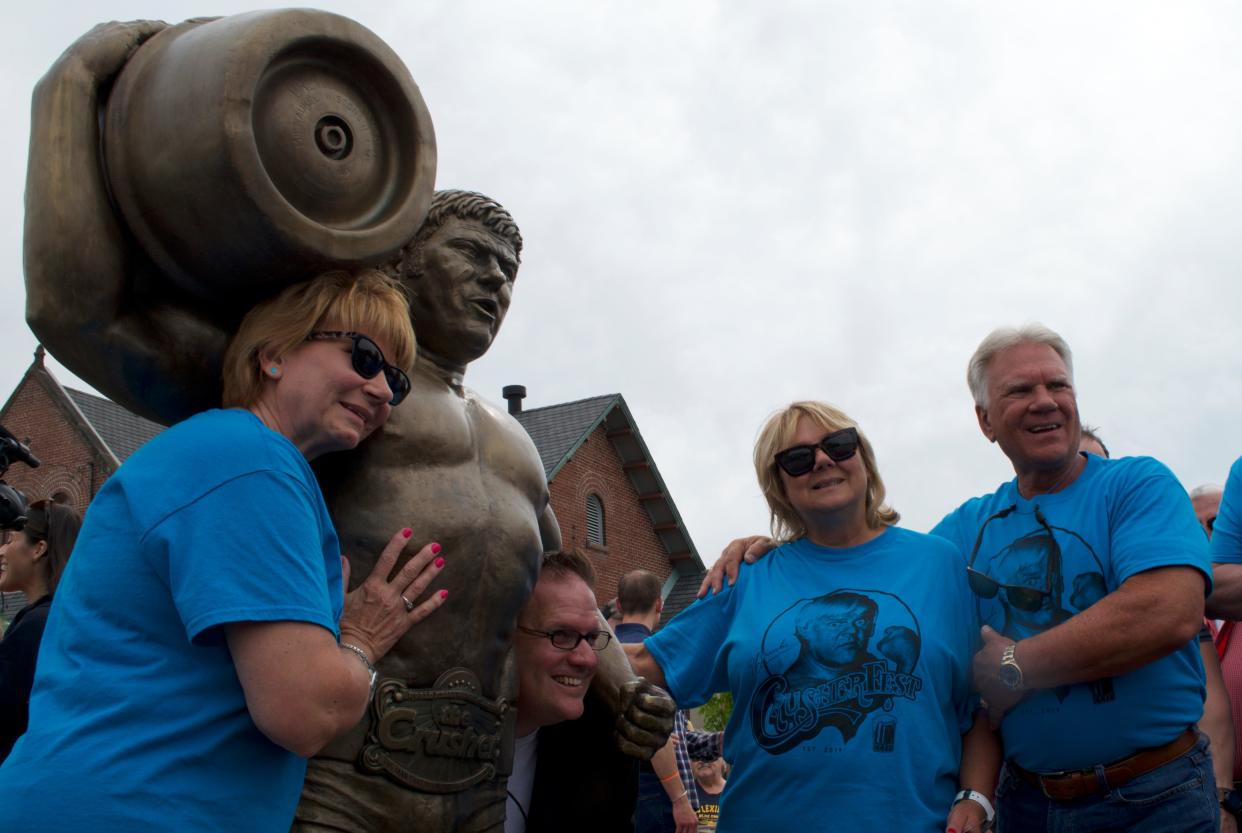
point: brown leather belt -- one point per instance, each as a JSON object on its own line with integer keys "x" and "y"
{"x": 1068, "y": 786}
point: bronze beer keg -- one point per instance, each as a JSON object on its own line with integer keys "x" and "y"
{"x": 254, "y": 150}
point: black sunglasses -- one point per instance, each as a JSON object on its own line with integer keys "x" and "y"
{"x": 839, "y": 445}
{"x": 1029, "y": 599}
{"x": 567, "y": 640}
{"x": 368, "y": 360}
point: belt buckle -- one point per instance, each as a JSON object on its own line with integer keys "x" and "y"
{"x": 445, "y": 739}
{"x": 1067, "y": 778}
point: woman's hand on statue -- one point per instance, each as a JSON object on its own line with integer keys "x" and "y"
{"x": 379, "y": 612}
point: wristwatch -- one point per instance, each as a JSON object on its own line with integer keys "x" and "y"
{"x": 1230, "y": 801}
{"x": 1010, "y": 671}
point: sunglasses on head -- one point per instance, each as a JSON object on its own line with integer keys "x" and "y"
{"x": 368, "y": 361}
{"x": 839, "y": 445}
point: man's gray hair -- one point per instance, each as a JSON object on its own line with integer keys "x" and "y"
{"x": 1206, "y": 490}
{"x": 1003, "y": 338}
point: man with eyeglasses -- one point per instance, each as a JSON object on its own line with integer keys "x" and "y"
{"x": 1096, "y": 693}
{"x": 567, "y": 773}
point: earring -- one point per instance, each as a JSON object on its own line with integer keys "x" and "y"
{"x": 274, "y": 370}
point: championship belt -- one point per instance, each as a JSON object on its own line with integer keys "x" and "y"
{"x": 443, "y": 739}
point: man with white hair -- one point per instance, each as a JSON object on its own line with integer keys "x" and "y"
{"x": 1206, "y": 501}
{"x": 1097, "y": 695}
{"x": 1091, "y": 575}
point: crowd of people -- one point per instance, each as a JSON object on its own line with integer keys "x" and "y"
{"x": 1039, "y": 661}
{"x": 1088, "y": 579}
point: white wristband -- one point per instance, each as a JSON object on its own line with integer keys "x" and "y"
{"x": 980, "y": 799}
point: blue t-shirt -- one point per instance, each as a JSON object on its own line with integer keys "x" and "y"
{"x": 1119, "y": 518}
{"x": 850, "y": 677}
{"x": 137, "y": 720}
{"x": 1227, "y": 530}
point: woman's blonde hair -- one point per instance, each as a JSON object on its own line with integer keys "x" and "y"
{"x": 777, "y": 435}
{"x": 365, "y": 301}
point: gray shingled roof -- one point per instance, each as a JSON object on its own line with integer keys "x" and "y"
{"x": 682, "y": 595}
{"x": 558, "y": 430}
{"x": 122, "y": 431}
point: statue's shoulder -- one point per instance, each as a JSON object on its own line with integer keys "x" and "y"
{"x": 495, "y": 422}
{"x": 497, "y": 415}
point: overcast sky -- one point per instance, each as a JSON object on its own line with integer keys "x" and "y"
{"x": 727, "y": 206}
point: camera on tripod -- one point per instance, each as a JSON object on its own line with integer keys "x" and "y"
{"x": 12, "y": 502}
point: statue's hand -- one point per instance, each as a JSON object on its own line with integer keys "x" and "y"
{"x": 103, "y": 51}
{"x": 645, "y": 720}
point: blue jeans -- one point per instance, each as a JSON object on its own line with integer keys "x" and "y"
{"x": 1179, "y": 797}
{"x": 654, "y": 812}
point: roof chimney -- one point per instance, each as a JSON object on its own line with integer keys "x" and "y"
{"x": 514, "y": 394}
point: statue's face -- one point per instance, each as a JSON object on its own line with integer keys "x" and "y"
{"x": 462, "y": 295}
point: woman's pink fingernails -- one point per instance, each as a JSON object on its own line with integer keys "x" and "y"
{"x": 435, "y": 549}
{"x": 439, "y": 562}
{"x": 407, "y": 532}
{"x": 443, "y": 594}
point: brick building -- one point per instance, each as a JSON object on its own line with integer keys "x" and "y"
{"x": 608, "y": 495}
{"x": 606, "y": 491}
{"x": 79, "y": 439}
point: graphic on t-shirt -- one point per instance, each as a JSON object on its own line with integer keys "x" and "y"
{"x": 1034, "y": 562}
{"x": 819, "y": 668}
{"x": 1028, "y": 577}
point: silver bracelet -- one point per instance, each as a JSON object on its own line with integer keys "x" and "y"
{"x": 684, "y": 793}
{"x": 362, "y": 655}
{"x": 371, "y": 672}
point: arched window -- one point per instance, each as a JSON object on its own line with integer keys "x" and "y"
{"x": 595, "y": 520}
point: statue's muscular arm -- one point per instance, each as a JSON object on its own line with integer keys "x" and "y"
{"x": 549, "y": 530}
{"x": 80, "y": 266}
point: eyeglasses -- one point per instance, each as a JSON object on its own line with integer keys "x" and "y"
{"x": 567, "y": 640}
{"x": 368, "y": 360}
{"x": 1025, "y": 598}
{"x": 839, "y": 445}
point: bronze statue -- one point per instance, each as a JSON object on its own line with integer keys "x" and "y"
{"x": 208, "y": 190}
{"x": 129, "y": 298}
{"x": 458, "y": 470}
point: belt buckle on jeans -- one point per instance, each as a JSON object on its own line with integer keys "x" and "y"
{"x": 1066, "y": 778}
